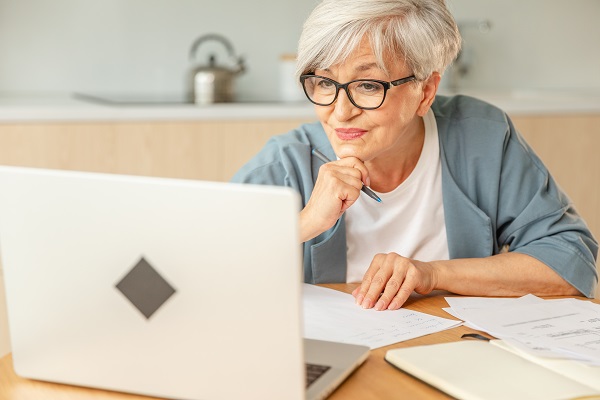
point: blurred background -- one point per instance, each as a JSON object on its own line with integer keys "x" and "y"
{"x": 138, "y": 46}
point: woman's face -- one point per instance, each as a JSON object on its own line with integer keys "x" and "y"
{"x": 384, "y": 132}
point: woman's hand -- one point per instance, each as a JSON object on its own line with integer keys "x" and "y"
{"x": 391, "y": 279}
{"x": 336, "y": 189}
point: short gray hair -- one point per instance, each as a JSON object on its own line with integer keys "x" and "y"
{"x": 421, "y": 33}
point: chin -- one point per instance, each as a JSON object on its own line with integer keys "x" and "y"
{"x": 347, "y": 151}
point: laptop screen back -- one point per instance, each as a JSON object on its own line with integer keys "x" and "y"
{"x": 81, "y": 253}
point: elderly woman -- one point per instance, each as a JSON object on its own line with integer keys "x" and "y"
{"x": 464, "y": 204}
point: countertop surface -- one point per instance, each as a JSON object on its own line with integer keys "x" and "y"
{"x": 21, "y": 108}
{"x": 69, "y": 107}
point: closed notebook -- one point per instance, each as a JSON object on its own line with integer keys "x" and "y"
{"x": 478, "y": 370}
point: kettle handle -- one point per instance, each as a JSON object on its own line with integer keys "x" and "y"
{"x": 207, "y": 37}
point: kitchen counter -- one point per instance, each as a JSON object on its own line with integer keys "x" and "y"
{"x": 539, "y": 102}
{"x": 70, "y": 108}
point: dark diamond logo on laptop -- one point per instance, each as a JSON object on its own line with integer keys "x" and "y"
{"x": 145, "y": 288}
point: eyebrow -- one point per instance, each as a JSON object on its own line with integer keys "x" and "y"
{"x": 361, "y": 67}
{"x": 366, "y": 67}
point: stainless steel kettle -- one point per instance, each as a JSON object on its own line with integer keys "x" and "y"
{"x": 212, "y": 83}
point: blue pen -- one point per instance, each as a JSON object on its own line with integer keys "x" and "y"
{"x": 365, "y": 189}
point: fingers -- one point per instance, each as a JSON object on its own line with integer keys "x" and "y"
{"x": 388, "y": 282}
{"x": 403, "y": 293}
{"x": 357, "y": 164}
{"x": 374, "y": 281}
{"x": 344, "y": 183}
{"x": 337, "y": 188}
{"x": 337, "y": 172}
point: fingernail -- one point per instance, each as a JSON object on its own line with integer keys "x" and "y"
{"x": 368, "y": 181}
{"x": 366, "y": 304}
{"x": 392, "y": 305}
{"x": 359, "y": 299}
{"x": 379, "y": 305}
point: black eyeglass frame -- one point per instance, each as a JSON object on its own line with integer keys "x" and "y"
{"x": 386, "y": 86}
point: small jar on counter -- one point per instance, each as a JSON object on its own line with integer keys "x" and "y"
{"x": 290, "y": 89}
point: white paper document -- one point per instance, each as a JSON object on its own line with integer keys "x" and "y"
{"x": 332, "y": 315}
{"x": 564, "y": 328}
{"x": 458, "y": 304}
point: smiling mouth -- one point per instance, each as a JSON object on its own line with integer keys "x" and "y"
{"x": 349, "y": 133}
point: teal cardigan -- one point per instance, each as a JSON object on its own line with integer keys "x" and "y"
{"x": 496, "y": 193}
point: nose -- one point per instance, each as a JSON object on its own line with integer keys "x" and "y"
{"x": 344, "y": 109}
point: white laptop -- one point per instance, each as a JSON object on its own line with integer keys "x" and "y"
{"x": 170, "y": 288}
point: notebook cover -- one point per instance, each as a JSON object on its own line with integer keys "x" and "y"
{"x": 474, "y": 370}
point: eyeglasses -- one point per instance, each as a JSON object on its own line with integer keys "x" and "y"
{"x": 367, "y": 94}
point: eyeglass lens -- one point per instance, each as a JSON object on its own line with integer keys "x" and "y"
{"x": 364, "y": 93}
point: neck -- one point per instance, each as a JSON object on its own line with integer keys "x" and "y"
{"x": 388, "y": 170}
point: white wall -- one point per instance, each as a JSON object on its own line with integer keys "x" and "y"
{"x": 142, "y": 45}
{"x": 532, "y": 44}
{"x": 139, "y": 45}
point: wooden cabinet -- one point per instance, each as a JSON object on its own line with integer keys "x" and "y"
{"x": 210, "y": 150}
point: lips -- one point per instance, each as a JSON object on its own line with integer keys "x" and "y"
{"x": 349, "y": 133}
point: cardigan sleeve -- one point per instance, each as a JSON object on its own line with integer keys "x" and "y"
{"x": 537, "y": 218}
{"x": 498, "y": 194}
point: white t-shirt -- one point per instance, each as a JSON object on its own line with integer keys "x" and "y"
{"x": 408, "y": 221}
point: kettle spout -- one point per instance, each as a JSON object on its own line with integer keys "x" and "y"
{"x": 240, "y": 67}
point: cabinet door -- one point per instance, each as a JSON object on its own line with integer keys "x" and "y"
{"x": 207, "y": 150}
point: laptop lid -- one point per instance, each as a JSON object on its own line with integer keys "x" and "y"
{"x": 170, "y": 288}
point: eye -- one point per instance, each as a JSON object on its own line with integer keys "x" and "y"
{"x": 325, "y": 84}
{"x": 369, "y": 87}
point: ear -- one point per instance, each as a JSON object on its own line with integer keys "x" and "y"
{"x": 429, "y": 90}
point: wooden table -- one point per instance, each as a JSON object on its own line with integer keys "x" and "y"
{"x": 375, "y": 379}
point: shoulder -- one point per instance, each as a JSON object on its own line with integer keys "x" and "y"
{"x": 283, "y": 155}
{"x": 481, "y": 148}
{"x": 464, "y": 108}
{"x": 292, "y": 144}
{"x": 469, "y": 124}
